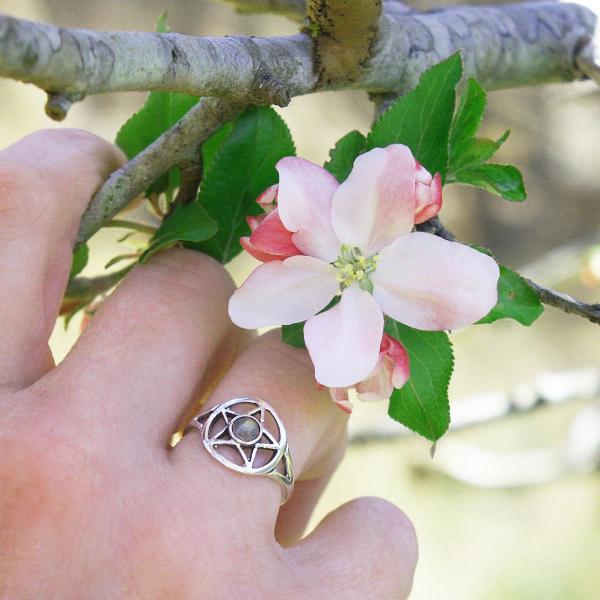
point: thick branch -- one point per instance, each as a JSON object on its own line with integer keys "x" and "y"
{"x": 344, "y": 32}
{"x": 178, "y": 145}
{"x": 73, "y": 63}
{"x": 504, "y": 46}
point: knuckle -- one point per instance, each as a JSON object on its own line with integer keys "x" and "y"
{"x": 183, "y": 269}
{"x": 68, "y": 140}
{"x": 393, "y": 531}
{"x": 392, "y": 524}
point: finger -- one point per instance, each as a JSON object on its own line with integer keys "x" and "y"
{"x": 294, "y": 515}
{"x": 152, "y": 345}
{"x": 366, "y": 549}
{"x": 316, "y": 430}
{"x": 46, "y": 181}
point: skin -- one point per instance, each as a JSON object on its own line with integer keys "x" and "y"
{"x": 93, "y": 503}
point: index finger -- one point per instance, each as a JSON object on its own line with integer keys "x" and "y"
{"x": 46, "y": 182}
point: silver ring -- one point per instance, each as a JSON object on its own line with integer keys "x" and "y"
{"x": 247, "y": 436}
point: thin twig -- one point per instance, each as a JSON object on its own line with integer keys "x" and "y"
{"x": 566, "y": 303}
{"x": 124, "y": 224}
{"x": 436, "y": 227}
{"x": 177, "y": 145}
{"x": 191, "y": 176}
{"x": 548, "y": 296}
{"x": 87, "y": 288}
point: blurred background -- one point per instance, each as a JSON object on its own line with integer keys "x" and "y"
{"x": 509, "y": 508}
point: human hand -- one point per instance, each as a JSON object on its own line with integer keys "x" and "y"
{"x": 93, "y": 504}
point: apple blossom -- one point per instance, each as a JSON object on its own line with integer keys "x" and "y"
{"x": 356, "y": 240}
{"x": 269, "y": 239}
{"x": 391, "y": 371}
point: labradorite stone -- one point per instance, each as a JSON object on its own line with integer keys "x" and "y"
{"x": 245, "y": 429}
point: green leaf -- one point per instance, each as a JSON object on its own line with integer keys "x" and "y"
{"x": 243, "y": 167}
{"x": 187, "y": 223}
{"x": 213, "y": 144}
{"x": 161, "y": 23}
{"x": 422, "y": 118}
{"x": 465, "y": 150}
{"x": 516, "y": 300}
{"x": 502, "y": 180}
{"x": 80, "y": 260}
{"x": 160, "y": 112}
{"x": 472, "y": 153}
{"x": 422, "y": 404}
{"x": 294, "y": 334}
{"x": 469, "y": 114}
{"x": 344, "y": 153}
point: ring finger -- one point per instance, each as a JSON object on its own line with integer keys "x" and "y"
{"x": 284, "y": 377}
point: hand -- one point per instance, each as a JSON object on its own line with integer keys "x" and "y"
{"x": 93, "y": 504}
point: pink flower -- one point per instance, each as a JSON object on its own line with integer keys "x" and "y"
{"x": 356, "y": 239}
{"x": 429, "y": 194}
{"x": 391, "y": 371}
{"x": 269, "y": 239}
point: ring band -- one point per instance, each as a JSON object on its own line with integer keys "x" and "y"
{"x": 247, "y": 436}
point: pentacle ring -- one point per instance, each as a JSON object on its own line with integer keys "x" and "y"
{"x": 247, "y": 436}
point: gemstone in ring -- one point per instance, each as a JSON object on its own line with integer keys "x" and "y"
{"x": 246, "y": 435}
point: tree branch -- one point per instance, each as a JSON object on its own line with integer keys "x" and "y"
{"x": 344, "y": 32}
{"x": 504, "y": 46}
{"x": 566, "y": 303}
{"x": 548, "y": 296}
{"x": 72, "y": 63}
{"x": 178, "y": 145}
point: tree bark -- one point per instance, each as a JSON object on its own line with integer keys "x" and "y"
{"x": 503, "y": 46}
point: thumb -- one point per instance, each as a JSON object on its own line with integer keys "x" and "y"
{"x": 365, "y": 549}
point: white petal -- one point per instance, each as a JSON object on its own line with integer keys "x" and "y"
{"x": 304, "y": 200}
{"x": 343, "y": 342}
{"x": 281, "y": 293}
{"x": 376, "y": 204}
{"x": 429, "y": 283}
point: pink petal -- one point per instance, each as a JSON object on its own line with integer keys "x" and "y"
{"x": 429, "y": 199}
{"x": 429, "y": 283}
{"x": 270, "y": 240}
{"x": 268, "y": 199}
{"x": 255, "y": 220}
{"x": 281, "y": 293}
{"x": 343, "y": 342}
{"x": 340, "y": 398}
{"x": 397, "y": 355}
{"x": 257, "y": 253}
{"x": 378, "y": 385}
{"x": 376, "y": 204}
{"x": 304, "y": 200}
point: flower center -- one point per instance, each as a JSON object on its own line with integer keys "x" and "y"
{"x": 354, "y": 267}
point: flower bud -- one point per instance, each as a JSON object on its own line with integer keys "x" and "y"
{"x": 269, "y": 239}
{"x": 428, "y": 194}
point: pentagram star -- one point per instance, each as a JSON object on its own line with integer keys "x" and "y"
{"x": 248, "y": 451}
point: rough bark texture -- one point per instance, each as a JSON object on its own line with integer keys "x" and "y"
{"x": 344, "y": 33}
{"x": 178, "y": 145}
{"x": 504, "y": 46}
